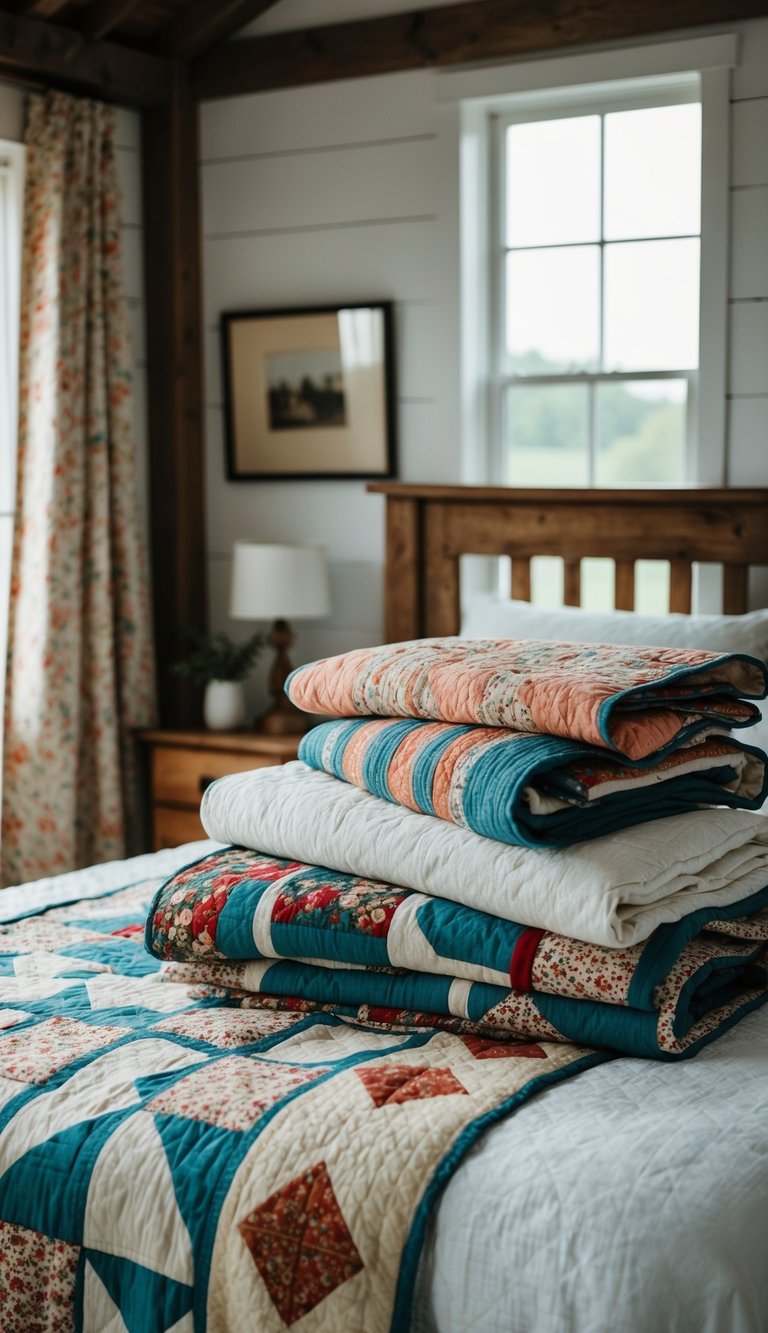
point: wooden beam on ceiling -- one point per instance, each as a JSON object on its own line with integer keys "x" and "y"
{"x": 171, "y": 221}
{"x": 447, "y": 35}
{"x": 32, "y": 50}
{"x": 100, "y": 18}
{"x": 43, "y": 9}
{"x": 208, "y": 22}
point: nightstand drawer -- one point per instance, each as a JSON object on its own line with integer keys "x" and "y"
{"x": 171, "y": 826}
{"x": 182, "y": 775}
{"x": 183, "y": 763}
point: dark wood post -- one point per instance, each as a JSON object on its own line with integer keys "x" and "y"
{"x": 173, "y": 309}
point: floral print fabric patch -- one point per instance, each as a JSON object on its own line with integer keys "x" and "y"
{"x": 632, "y": 700}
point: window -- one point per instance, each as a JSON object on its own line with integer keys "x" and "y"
{"x": 11, "y": 191}
{"x": 578, "y": 214}
{"x": 594, "y": 222}
{"x": 595, "y": 290}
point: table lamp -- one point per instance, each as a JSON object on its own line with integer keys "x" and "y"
{"x": 272, "y": 582}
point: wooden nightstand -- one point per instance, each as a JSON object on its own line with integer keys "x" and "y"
{"x": 184, "y": 763}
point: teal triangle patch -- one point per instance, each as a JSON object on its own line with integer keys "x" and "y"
{"x": 46, "y": 1189}
{"x": 145, "y": 1300}
{"x": 199, "y": 1155}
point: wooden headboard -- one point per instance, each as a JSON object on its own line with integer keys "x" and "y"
{"x": 430, "y": 527}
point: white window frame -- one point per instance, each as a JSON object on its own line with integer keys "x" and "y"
{"x": 685, "y": 89}
{"x": 534, "y": 86}
{"x": 12, "y": 160}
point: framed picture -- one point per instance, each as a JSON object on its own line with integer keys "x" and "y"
{"x": 309, "y": 393}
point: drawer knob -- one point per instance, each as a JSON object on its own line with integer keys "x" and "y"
{"x": 204, "y": 782}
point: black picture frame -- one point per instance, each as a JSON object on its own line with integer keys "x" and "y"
{"x": 309, "y": 392}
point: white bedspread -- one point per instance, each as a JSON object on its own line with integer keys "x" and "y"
{"x": 614, "y": 890}
{"x": 632, "y": 1199}
{"x": 54, "y": 891}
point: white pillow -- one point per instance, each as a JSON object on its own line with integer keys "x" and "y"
{"x": 492, "y": 617}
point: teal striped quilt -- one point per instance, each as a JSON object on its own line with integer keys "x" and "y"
{"x": 533, "y": 790}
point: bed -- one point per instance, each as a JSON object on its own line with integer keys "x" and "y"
{"x": 577, "y": 1219}
{"x": 632, "y": 1197}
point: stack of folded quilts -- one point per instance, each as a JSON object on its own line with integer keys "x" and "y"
{"x": 510, "y": 840}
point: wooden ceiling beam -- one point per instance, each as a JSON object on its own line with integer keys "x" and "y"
{"x": 446, "y": 35}
{"x": 100, "y": 18}
{"x": 32, "y": 50}
{"x": 206, "y": 23}
{"x": 43, "y": 9}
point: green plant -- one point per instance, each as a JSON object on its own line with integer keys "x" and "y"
{"x": 216, "y": 656}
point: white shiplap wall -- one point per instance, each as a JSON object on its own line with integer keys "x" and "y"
{"x": 317, "y": 195}
{"x": 129, "y": 169}
{"x": 349, "y": 191}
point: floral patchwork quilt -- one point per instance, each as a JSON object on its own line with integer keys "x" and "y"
{"x": 534, "y": 790}
{"x": 172, "y": 1160}
{"x": 380, "y": 953}
{"x": 635, "y": 701}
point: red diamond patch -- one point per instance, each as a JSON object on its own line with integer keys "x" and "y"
{"x": 301, "y": 1244}
{"x": 388, "y": 1084}
{"x": 483, "y": 1049}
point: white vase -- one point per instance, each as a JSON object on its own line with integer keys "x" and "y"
{"x": 224, "y": 705}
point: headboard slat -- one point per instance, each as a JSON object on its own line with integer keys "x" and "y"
{"x": 572, "y": 582}
{"x": 624, "y": 591}
{"x": 735, "y": 579}
{"x": 521, "y": 578}
{"x": 680, "y": 585}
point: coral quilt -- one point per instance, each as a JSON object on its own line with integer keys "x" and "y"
{"x": 635, "y": 701}
{"x": 535, "y": 790}
{"x": 170, "y": 1162}
{"x": 385, "y": 954}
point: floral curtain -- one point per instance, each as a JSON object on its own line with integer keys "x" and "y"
{"x": 80, "y": 665}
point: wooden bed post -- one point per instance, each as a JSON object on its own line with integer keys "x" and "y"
{"x": 440, "y": 577}
{"x": 174, "y": 370}
{"x": 402, "y": 594}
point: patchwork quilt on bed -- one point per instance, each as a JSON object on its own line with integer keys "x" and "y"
{"x": 635, "y": 701}
{"x": 173, "y": 1161}
{"x": 387, "y": 953}
{"x": 535, "y": 790}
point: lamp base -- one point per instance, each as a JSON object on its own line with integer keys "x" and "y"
{"x": 283, "y": 719}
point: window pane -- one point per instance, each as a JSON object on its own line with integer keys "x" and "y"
{"x": 641, "y": 433}
{"x": 553, "y": 181}
{"x": 652, "y": 305}
{"x": 652, "y": 587}
{"x": 597, "y": 583}
{"x": 653, "y": 172}
{"x": 547, "y": 580}
{"x": 546, "y": 435}
{"x": 553, "y": 316}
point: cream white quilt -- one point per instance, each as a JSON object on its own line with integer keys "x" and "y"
{"x": 613, "y": 891}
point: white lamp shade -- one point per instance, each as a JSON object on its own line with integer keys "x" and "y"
{"x": 271, "y": 581}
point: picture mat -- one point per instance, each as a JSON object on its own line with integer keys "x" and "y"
{"x": 358, "y": 447}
